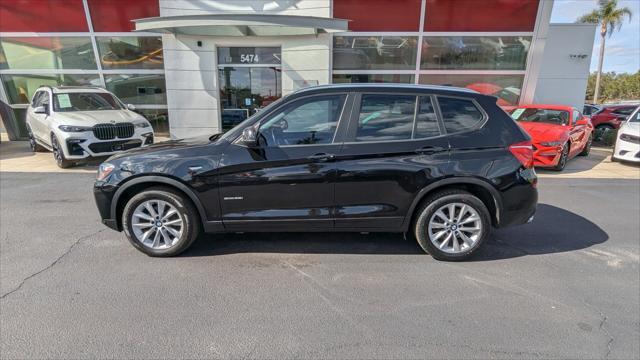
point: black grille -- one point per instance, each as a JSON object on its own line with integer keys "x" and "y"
{"x": 112, "y": 146}
{"x": 112, "y": 131}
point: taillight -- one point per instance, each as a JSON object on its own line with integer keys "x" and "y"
{"x": 523, "y": 151}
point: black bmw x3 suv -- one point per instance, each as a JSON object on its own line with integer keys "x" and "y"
{"x": 440, "y": 164}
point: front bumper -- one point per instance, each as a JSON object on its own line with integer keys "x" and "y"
{"x": 546, "y": 156}
{"x": 103, "y": 193}
{"x": 626, "y": 151}
{"x": 83, "y": 145}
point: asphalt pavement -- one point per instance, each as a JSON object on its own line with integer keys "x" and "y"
{"x": 565, "y": 286}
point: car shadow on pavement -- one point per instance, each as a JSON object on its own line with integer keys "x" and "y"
{"x": 554, "y": 230}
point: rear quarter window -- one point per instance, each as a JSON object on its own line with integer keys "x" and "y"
{"x": 459, "y": 114}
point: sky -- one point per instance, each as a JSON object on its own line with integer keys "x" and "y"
{"x": 622, "y": 53}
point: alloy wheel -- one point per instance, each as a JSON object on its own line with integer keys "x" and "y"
{"x": 157, "y": 224}
{"x": 56, "y": 150}
{"x": 563, "y": 157}
{"x": 455, "y": 228}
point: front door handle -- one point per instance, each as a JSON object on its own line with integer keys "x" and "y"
{"x": 427, "y": 150}
{"x": 321, "y": 157}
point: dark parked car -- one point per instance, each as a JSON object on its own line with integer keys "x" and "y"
{"x": 440, "y": 164}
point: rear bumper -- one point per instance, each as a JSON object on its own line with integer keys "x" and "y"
{"x": 519, "y": 201}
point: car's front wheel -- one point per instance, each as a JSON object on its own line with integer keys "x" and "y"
{"x": 587, "y": 147}
{"x": 564, "y": 157}
{"x": 160, "y": 222}
{"x": 58, "y": 154}
{"x": 452, "y": 225}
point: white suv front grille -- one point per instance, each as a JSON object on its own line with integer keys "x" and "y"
{"x": 112, "y": 131}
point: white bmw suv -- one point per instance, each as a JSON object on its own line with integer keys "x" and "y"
{"x": 77, "y": 123}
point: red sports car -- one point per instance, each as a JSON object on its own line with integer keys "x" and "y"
{"x": 558, "y": 133}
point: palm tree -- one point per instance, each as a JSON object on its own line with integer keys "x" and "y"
{"x": 610, "y": 18}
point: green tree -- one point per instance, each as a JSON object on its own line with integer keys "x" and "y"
{"x": 615, "y": 87}
{"x": 610, "y": 18}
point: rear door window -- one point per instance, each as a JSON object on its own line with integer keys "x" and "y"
{"x": 459, "y": 114}
{"x": 386, "y": 117}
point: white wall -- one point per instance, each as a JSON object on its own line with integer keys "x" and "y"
{"x": 536, "y": 52}
{"x": 563, "y": 79}
{"x": 191, "y": 71}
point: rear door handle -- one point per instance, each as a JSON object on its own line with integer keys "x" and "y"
{"x": 430, "y": 150}
{"x": 321, "y": 157}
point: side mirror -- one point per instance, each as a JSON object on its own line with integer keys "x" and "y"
{"x": 131, "y": 107}
{"x": 583, "y": 121}
{"x": 41, "y": 110}
{"x": 249, "y": 137}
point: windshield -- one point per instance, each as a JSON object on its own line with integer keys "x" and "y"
{"x": 84, "y": 101}
{"x": 635, "y": 117}
{"x": 555, "y": 117}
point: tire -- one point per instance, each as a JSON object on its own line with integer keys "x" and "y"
{"x": 33, "y": 144}
{"x": 428, "y": 221}
{"x": 601, "y": 130}
{"x": 564, "y": 158}
{"x": 587, "y": 147}
{"x": 162, "y": 240}
{"x": 58, "y": 154}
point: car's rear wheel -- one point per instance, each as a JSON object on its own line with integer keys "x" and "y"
{"x": 58, "y": 154}
{"x": 33, "y": 144}
{"x": 160, "y": 222}
{"x": 564, "y": 157}
{"x": 587, "y": 147}
{"x": 452, "y": 225}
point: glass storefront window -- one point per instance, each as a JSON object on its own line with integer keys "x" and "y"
{"x": 47, "y": 53}
{"x": 506, "y": 87}
{"x": 138, "y": 89}
{"x": 475, "y": 52}
{"x": 245, "y": 90}
{"x": 130, "y": 52}
{"x": 249, "y": 55}
{"x": 372, "y": 78}
{"x": 20, "y": 88}
{"x": 374, "y": 52}
{"x": 159, "y": 120}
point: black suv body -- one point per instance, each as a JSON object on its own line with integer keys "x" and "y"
{"x": 432, "y": 162}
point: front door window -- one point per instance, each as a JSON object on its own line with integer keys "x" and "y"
{"x": 305, "y": 122}
{"x": 250, "y": 79}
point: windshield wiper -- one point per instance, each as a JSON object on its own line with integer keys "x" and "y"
{"x": 214, "y": 137}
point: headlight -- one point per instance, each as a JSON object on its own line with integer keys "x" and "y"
{"x": 72, "y": 128}
{"x": 104, "y": 170}
{"x": 142, "y": 124}
{"x": 552, "y": 143}
{"x": 630, "y": 138}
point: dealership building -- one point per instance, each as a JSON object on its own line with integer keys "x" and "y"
{"x": 195, "y": 67}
